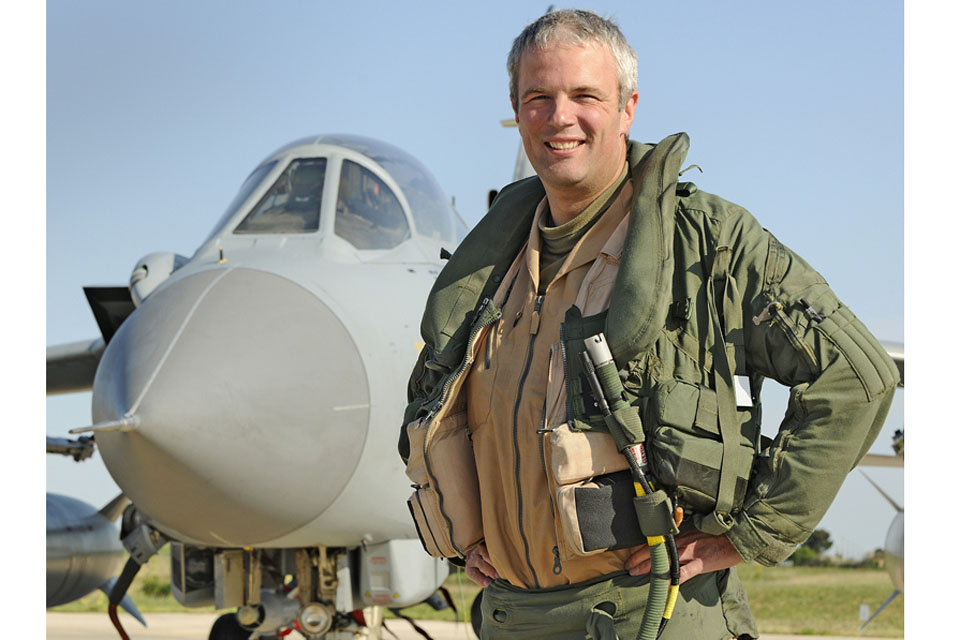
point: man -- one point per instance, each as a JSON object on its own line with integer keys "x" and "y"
{"x": 519, "y": 470}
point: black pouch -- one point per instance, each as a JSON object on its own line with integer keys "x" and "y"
{"x": 605, "y": 513}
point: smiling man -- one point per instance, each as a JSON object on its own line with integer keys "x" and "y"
{"x": 573, "y": 120}
{"x": 526, "y": 455}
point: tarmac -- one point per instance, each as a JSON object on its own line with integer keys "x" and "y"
{"x": 196, "y": 626}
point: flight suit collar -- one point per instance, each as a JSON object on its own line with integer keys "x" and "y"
{"x": 593, "y": 242}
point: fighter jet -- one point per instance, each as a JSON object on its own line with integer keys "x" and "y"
{"x": 246, "y": 398}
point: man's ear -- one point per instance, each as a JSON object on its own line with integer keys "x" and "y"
{"x": 629, "y": 110}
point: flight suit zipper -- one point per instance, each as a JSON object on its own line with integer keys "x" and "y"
{"x": 534, "y": 329}
{"x": 467, "y": 356}
{"x": 566, "y": 374}
{"x": 542, "y": 433}
{"x": 557, "y": 567}
{"x": 775, "y": 313}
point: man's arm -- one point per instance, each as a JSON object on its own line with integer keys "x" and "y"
{"x": 841, "y": 386}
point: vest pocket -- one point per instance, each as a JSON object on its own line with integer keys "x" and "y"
{"x": 446, "y": 502}
{"x": 686, "y": 449}
{"x": 576, "y": 464}
{"x": 434, "y": 534}
{"x": 574, "y": 456}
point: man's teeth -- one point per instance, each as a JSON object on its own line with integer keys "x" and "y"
{"x": 563, "y": 146}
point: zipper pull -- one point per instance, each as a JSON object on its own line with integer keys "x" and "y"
{"x": 766, "y": 315}
{"x": 535, "y": 320}
{"x": 813, "y": 313}
{"x": 557, "y": 567}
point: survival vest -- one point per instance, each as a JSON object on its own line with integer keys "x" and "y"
{"x": 674, "y": 326}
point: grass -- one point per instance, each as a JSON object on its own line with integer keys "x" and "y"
{"x": 789, "y": 600}
{"x": 821, "y": 600}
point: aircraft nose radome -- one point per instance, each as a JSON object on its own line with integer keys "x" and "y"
{"x": 253, "y": 406}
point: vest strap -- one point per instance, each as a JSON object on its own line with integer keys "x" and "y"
{"x": 727, "y": 321}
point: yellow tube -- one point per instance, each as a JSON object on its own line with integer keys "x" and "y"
{"x": 671, "y": 601}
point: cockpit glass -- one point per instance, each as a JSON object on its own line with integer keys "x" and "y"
{"x": 432, "y": 214}
{"x": 292, "y": 205}
{"x": 430, "y": 208}
{"x": 369, "y": 215}
{"x": 252, "y": 182}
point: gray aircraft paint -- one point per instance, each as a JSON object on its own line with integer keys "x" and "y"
{"x": 266, "y": 377}
{"x": 83, "y": 549}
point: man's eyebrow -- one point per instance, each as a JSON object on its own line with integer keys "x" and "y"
{"x": 582, "y": 89}
{"x": 532, "y": 90}
{"x": 588, "y": 89}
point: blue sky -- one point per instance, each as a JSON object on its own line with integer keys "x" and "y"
{"x": 155, "y": 113}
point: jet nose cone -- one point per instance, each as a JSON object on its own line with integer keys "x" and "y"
{"x": 253, "y": 406}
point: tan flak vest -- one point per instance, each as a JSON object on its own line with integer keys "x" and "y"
{"x": 516, "y": 412}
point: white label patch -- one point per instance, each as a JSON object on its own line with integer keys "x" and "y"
{"x": 742, "y": 386}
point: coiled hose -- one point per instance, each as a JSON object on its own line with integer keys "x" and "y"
{"x": 624, "y": 425}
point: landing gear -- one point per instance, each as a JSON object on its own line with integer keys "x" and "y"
{"x": 226, "y": 627}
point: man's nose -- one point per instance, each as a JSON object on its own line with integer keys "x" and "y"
{"x": 562, "y": 114}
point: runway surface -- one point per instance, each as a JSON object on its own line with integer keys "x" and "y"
{"x": 196, "y": 626}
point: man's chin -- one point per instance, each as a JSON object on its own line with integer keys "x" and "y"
{"x": 560, "y": 174}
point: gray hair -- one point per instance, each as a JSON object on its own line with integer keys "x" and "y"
{"x": 575, "y": 27}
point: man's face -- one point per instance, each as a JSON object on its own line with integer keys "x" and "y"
{"x": 569, "y": 118}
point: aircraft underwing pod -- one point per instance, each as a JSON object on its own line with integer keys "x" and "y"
{"x": 83, "y": 549}
{"x": 249, "y": 404}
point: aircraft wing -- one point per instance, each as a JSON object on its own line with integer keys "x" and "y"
{"x": 79, "y": 449}
{"x": 877, "y": 460}
{"x": 895, "y": 351}
{"x": 71, "y": 367}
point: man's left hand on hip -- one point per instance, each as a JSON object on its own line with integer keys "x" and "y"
{"x": 699, "y": 553}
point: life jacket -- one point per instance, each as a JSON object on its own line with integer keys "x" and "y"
{"x": 674, "y": 326}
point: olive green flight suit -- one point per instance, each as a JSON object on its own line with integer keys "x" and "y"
{"x": 703, "y": 294}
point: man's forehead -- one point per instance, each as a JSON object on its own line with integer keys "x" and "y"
{"x": 552, "y": 46}
{"x": 544, "y": 53}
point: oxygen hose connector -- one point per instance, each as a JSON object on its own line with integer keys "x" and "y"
{"x": 625, "y": 427}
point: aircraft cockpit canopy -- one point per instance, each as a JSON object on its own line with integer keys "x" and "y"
{"x": 368, "y": 212}
{"x": 292, "y": 205}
